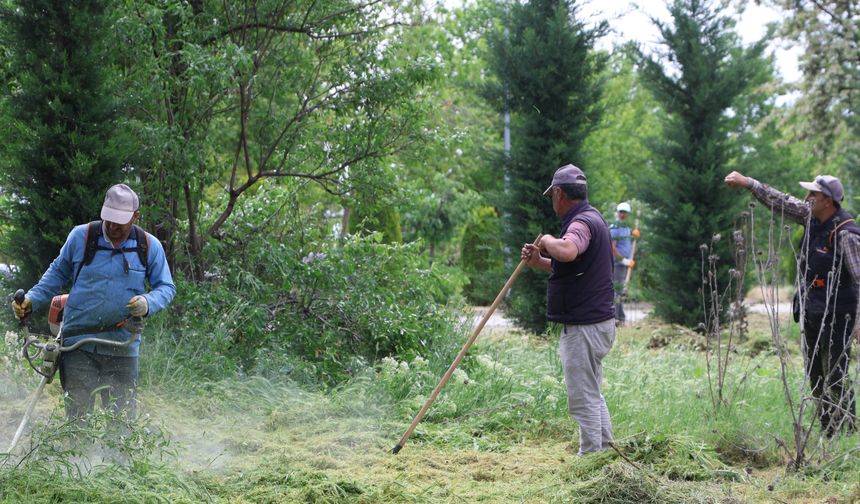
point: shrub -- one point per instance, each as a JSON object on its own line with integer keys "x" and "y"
{"x": 323, "y": 315}
{"x": 351, "y": 305}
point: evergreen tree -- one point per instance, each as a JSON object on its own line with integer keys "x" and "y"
{"x": 548, "y": 77}
{"x": 699, "y": 82}
{"x": 480, "y": 258}
{"x": 62, "y": 156}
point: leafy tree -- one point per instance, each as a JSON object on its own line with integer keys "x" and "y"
{"x": 706, "y": 75}
{"x": 64, "y": 150}
{"x": 828, "y": 31}
{"x": 549, "y": 77}
{"x": 444, "y": 179}
{"x": 248, "y": 91}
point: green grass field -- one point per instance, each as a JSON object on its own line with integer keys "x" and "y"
{"x": 499, "y": 432}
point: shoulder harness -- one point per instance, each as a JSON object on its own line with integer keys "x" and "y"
{"x": 91, "y": 245}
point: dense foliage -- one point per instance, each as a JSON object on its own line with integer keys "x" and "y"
{"x": 481, "y": 256}
{"x": 369, "y": 218}
{"x": 232, "y": 94}
{"x": 63, "y": 148}
{"x": 316, "y": 315}
{"x": 548, "y": 77}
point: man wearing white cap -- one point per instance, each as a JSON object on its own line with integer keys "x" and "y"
{"x": 579, "y": 296}
{"x": 106, "y": 264}
{"x": 622, "y": 249}
{"x": 829, "y": 274}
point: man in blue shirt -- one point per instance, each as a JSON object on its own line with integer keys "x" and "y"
{"x": 622, "y": 247}
{"x": 105, "y": 294}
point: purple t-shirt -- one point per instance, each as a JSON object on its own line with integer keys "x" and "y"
{"x": 579, "y": 234}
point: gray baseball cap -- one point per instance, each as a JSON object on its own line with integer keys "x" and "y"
{"x": 120, "y": 204}
{"x": 828, "y": 185}
{"x": 567, "y": 174}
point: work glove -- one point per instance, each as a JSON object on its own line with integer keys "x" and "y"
{"x": 134, "y": 325}
{"x": 137, "y": 306}
{"x": 628, "y": 262}
{"x": 23, "y": 310}
{"x": 635, "y": 233}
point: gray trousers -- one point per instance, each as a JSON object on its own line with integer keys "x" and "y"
{"x": 84, "y": 374}
{"x": 582, "y": 348}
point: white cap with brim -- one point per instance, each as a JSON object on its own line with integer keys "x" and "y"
{"x": 120, "y": 204}
{"x": 567, "y": 174}
{"x": 827, "y": 185}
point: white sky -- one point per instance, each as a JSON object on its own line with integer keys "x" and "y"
{"x": 631, "y": 20}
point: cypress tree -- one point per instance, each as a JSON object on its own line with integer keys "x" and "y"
{"x": 549, "y": 78}
{"x": 62, "y": 156}
{"x": 480, "y": 258}
{"x": 698, "y": 81}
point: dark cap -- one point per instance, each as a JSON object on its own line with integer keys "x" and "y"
{"x": 567, "y": 174}
{"x": 827, "y": 185}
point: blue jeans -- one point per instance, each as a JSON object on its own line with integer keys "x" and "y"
{"x": 84, "y": 374}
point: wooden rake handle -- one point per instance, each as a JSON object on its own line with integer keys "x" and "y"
{"x": 632, "y": 253}
{"x": 472, "y": 338}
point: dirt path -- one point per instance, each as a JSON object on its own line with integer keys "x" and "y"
{"x": 635, "y": 311}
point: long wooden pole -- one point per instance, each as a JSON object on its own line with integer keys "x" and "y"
{"x": 472, "y": 338}
{"x": 632, "y": 253}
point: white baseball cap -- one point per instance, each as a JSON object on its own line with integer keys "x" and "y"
{"x": 623, "y": 207}
{"x": 120, "y": 204}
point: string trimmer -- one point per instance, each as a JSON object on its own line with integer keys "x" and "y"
{"x": 44, "y": 356}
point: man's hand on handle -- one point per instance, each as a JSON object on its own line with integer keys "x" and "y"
{"x": 23, "y": 309}
{"x": 138, "y": 306}
{"x": 530, "y": 253}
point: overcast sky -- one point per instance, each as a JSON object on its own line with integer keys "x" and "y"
{"x": 630, "y": 19}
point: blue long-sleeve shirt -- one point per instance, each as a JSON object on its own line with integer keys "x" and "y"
{"x": 99, "y": 296}
{"x": 621, "y": 234}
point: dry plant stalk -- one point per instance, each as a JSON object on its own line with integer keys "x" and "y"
{"x": 804, "y": 404}
{"x": 718, "y": 346}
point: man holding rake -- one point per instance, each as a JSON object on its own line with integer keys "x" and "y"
{"x": 579, "y": 296}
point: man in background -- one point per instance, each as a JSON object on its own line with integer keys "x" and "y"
{"x": 622, "y": 250}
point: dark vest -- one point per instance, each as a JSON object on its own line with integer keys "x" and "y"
{"x": 827, "y": 280}
{"x": 580, "y": 292}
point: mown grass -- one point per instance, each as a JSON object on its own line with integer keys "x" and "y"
{"x": 499, "y": 432}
